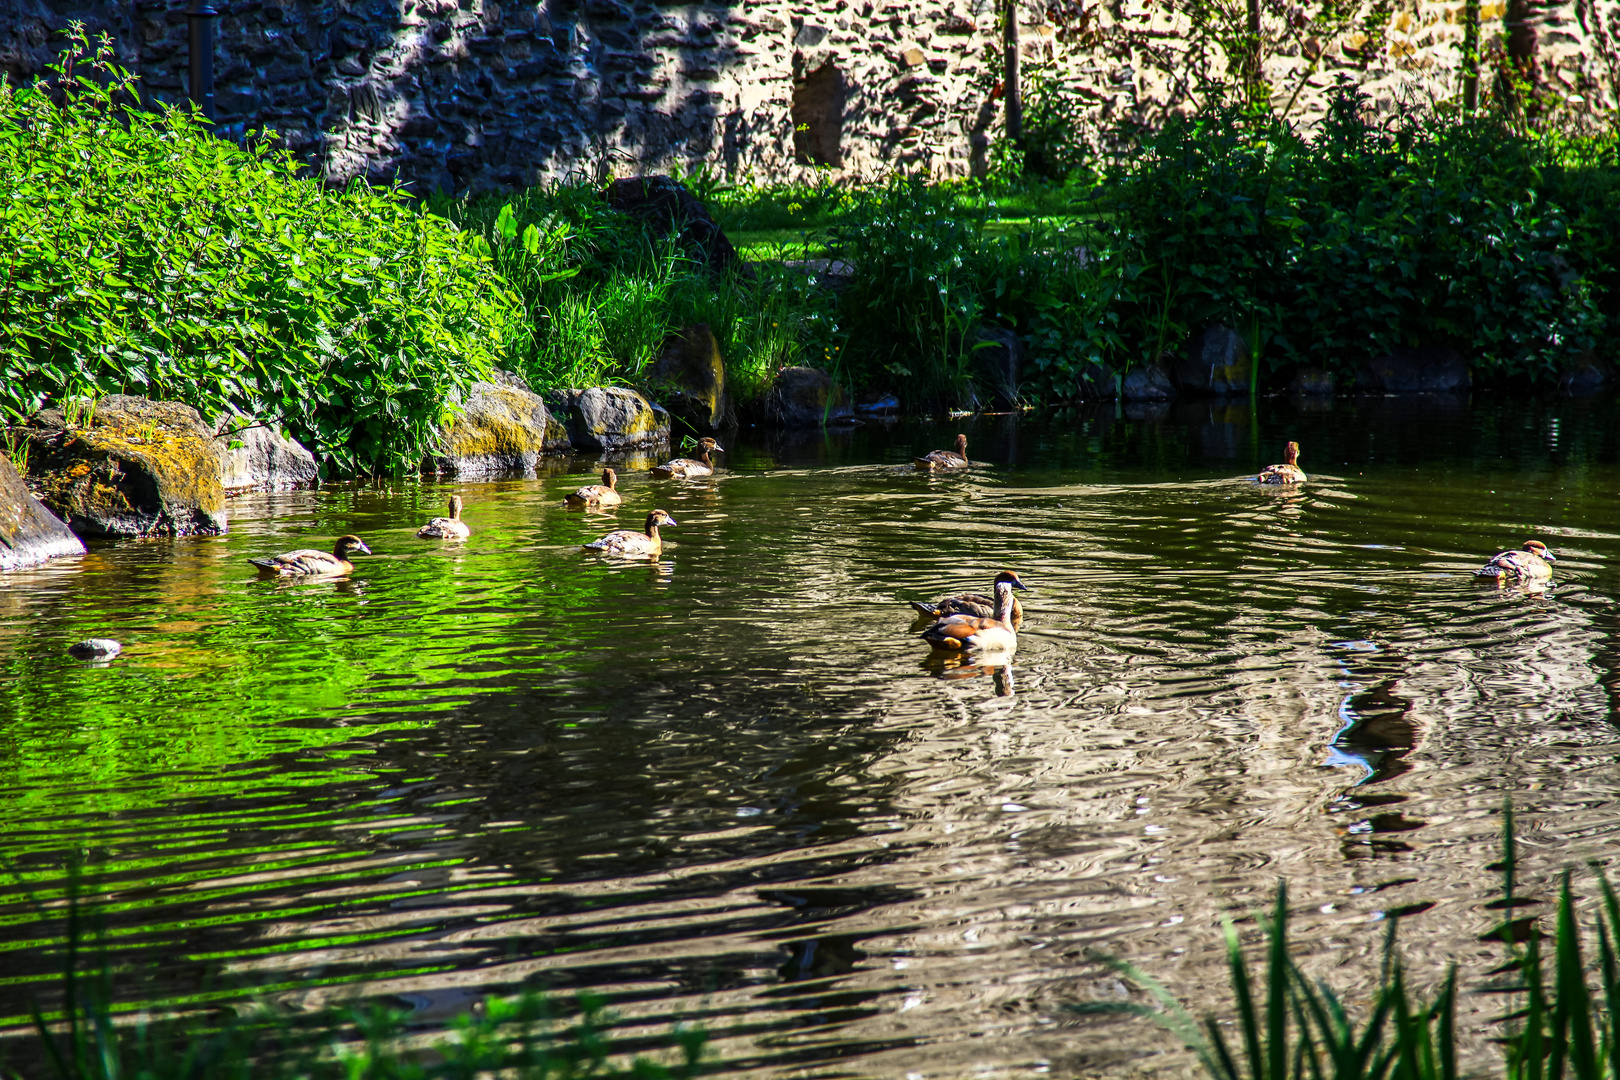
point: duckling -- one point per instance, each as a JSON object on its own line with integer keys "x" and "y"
{"x": 308, "y": 562}
{"x": 1529, "y": 563}
{"x": 975, "y": 632}
{"x": 1288, "y": 472}
{"x": 447, "y": 528}
{"x": 945, "y": 459}
{"x": 688, "y": 467}
{"x": 596, "y": 495}
{"x": 630, "y": 542}
{"x": 970, "y": 603}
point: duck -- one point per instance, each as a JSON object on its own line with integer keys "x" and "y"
{"x": 1528, "y": 563}
{"x": 1288, "y": 472}
{"x": 307, "y": 562}
{"x": 689, "y": 467}
{"x": 447, "y": 528}
{"x": 958, "y": 632}
{"x": 604, "y": 494}
{"x": 945, "y": 459}
{"x": 630, "y": 542}
{"x": 970, "y": 603}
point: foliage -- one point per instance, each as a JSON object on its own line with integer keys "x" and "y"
{"x": 146, "y": 256}
{"x": 1303, "y": 1030}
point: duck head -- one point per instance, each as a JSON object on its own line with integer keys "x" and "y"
{"x": 961, "y": 448}
{"x": 351, "y": 544}
{"x": 707, "y": 444}
{"x": 1291, "y": 453}
{"x": 1011, "y": 580}
{"x": 1536, "y": 547}
{"x": 610, "y": 479}
{"x": 657, "y": 518}
{"x": 455, "y": 507}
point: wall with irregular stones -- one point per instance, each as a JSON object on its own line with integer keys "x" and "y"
{"x": 459, "y": 94}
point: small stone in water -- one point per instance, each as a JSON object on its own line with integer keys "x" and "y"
{"x": 96, "y": 648}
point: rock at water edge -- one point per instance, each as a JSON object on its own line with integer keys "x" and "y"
{"x": 997, "y": 354}
{"x": 1416, "y": 370}
{"x": 503, "y": 429}
{"x": 29, "y": 533}
{"x": 261, "y": 457}
{"x": 806, "y": 397}
{"x": 1216, "y": 364}
{"x": 1147, "y": 382}
{"x": 612, "y": 418}
{"x": 692, "y": 373}
{"x": 128, "y": 466}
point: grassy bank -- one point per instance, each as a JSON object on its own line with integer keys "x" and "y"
{"x": 149, "y": 257}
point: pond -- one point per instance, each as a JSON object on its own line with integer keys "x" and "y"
{"x": 730, "y": 787}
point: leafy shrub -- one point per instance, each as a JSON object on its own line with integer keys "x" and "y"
{"x": 146, "y": 256}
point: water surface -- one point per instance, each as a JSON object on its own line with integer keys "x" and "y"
{"x": 729, "y": 786}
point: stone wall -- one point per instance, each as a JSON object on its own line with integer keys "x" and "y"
{"x": 458, "y": 94}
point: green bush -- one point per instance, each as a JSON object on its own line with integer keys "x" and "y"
{"x": 146, "y": 256}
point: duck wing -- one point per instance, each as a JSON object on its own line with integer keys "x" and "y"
{"x": 976, "y": 604}
{"x": 302, "y": 561}
{"x": 957, "y": 632}
{"x": 1514, "y": 564}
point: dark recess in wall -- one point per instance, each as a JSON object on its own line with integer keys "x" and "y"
{"x": 818, "y": 117}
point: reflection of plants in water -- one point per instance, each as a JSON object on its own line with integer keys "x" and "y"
{"x": 1303, "y": 1030}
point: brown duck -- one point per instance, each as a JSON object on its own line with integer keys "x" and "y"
{"x": 702, "y": 465}
{"x": 945, "y": 459}
{"x": 630, "y": 542}
{"x": 1288, "y": 472}
{"x": 968, "y": 603}
{"x": 307, "y": 562}
{"x": 446, "y": 528}
{"x": 596, "y": 495}
{"x": 1529, "y": 563}
{"x": 997, "y": 634}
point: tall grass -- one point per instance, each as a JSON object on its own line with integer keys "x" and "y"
{"x": 1556, "y": 1024}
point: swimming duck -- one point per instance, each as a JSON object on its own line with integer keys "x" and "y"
{"x": 630, "y": 542}
{"x": 604, "y": 494}
{"x": 447, "y": 528}
{"x": 969, "y": 603}
{"x": 1288, "y": 472}
{"x": 945, "y": 459}
{"x": 1529, "y": 563}
{"x": 308, "y": 562}
{"x": 689, "y": 467}
{"x": 975, "y": 632}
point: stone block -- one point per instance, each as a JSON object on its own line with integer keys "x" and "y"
{"x": 29, "y": 533}
{"x": 503, "y": 429}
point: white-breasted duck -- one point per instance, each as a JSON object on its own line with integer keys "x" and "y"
{"x": 1288, "y": 472}
{"x": 307, "y": 562}
{"x": 968, "y": 603}
{"x": 1529, "y": 563}
{"x": 447, "y": 528}
{"x": 945, "y": 459}
{"x": 689, "y": 468}
{"x": 997, "y": 634}
{"x": 596, "y": 495}
{"x": 630, "y": 542}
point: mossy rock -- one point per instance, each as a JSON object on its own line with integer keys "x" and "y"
{"x": 690, "y": 376}
{"x": 128, "y": 466}
{"x": 502, "y": 429}
{"x": 29, "y": 533}
{"x": 1216, "y": 364}
{"x": 612, "y": 418}
{"x": 806, "y": 397}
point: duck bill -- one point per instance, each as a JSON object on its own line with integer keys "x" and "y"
{"x": 717, "y": 446}
{"x": 1549, "y": 556}
{"x": 361, "y": 547}
{"x": 670, "y": 521}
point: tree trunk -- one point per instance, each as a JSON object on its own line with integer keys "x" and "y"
{"x": 1013, "y": 91}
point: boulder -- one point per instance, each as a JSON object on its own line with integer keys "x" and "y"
{"x": 692, "y": 379}
{"x": 128, "y": 466}
{"x": 1416, "y": 370}
{"x": 29, "y": 533}
{"x": 254, "y": 456}
{"x": 612, "y": 418}
{"x": 996, "y": 355}
{"x": 1216, "y": 364}
{"x": 502, "y": 429}
{"x": 1096, "y": 383}
{"x": 1147, "y": 382}
{"x": 1588, "y": 375}
{"x": 664, "y": 204}
{"x": 1312, "y": 382}
{"x": 806, "y": 397}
